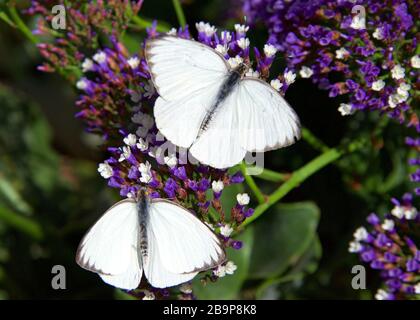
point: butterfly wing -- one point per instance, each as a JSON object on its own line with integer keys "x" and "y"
{"x": 266, "y": 121}
{"x": 154, "y": 270}
{"x": 184, "y": 243}
{"x": 219, "y": 145}
{"x": 187, "y": 75}
{"x": 110, "y": 246}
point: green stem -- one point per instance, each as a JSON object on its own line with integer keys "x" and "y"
{"x": 179, "y": 13}
{"x": 147, "y": 23}
{"x": 251, "y": 183}
{"x": 21, "y": 223}
{"x": 295, "y": 180}
{"x": 21, "y": 25}
{"x": 273, "y": 176}
{"x": 315, "y": 142}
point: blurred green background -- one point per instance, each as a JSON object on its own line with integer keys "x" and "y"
{"x": 50, "y": 191}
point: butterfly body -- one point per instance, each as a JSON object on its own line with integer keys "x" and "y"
{"x": 232, "y": 79}
{"x": 142, "y": 205}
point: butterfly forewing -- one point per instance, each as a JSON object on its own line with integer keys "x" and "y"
{"x": 180, "y": 67}
{"x": 266, "y": 121}
{"x": 109, "y": 247}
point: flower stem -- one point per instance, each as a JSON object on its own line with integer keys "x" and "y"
{"x": 179, "y": 13}
{"x": 314, "y": 141}
{"x": 147, "y": 23}
{"x": 273, "y": 176}
{"x": 21, "y": 25}
{"x": 295, "y": 180}
{"x": 251, "y": 183}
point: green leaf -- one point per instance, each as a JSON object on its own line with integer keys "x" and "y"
{"x": 229, "y": 286}
{"x": 8, "y": 192}
{"x": 21, "y": 223}
{"x": 282, "y": 237}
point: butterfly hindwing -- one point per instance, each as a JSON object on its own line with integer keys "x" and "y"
{"x": 185, "y": 244}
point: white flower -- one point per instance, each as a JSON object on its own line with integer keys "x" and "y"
{"x": 404, "y": 87}
{"x": 149, "y": 295}
{"x": 135, "y": 97}
{"x": 410, "y": 213}
{"x": 87, "y": 65}
{"x": 358, "y": 22}
{"x": 226, "y": 230}
{"x": 206, "y": 28}
{"x": 171, "y": 32}
{"x": 341, "y": 53}
{"x": 398, "y": 72}
{"x": 130, "y": 140}
{"x": 388, "y": 225}
{"x": 171, "y": 160}
{"x": 222, "y": 49}
{"x": 234, "y": 62}
{"x": 82, "y": 84}
{"x": 381, "y": 294}
{"x": 378, "y": 34}
{"x": 100, "y": 57}
{"x": 133, "y": 62}
{"x": 217, "y": 186}
{"x": 230, "y": 267}
{"x": 243, "y": 43}
{"x": 355, "y": 246}
{"x": 252, "y": 73}
{"x": 220, "y": 271}
{"x": 142, "y": 145}
{"x": 398, "y": 212}
{"x": 105, "y": 170}
{"x": 345, "y": 109}
{"x": 289, "y": 77}
{"x": 306, "y": 72}
{"x": 126, "y": 153}
{"x": 146, "y": 172}
{"x": 417, "y": 288}
{"x": 276, "y": 84}
{"x": 142, "y": 132}
{"x": 240, "y": 28}
{"x": 186, "y": 288}
{"x": 147, "y": 121}
{"x": 242, "y": 198}
{"x": 269, "y": 50}
{"x": 226, "y": 36}
{"x": 415, "y": 61}
{"x": 378, "y": 85}
{"x": 393, "y": 101}
{"x": 150, "y": 89}
{"x": 361, "y": 234}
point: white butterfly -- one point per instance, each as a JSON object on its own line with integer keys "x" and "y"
{"x": 156, "y": 236}
{"x": 212, "y": 108}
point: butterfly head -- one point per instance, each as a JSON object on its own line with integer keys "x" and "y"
{"x": 242, "y": 69}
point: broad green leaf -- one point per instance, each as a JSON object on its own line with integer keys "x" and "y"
{"x": 121, "y": 295}
{"x": 307, "y": 264}
{"x": 282, "y": 237}
{"x": 229, "y": 286}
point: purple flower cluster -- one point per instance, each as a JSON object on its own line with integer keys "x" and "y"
{"x": 87, "y": 23}
{"x": 414, "y": 143}
{"x": 389, "y": 246}
{"x": 364, "y": 50}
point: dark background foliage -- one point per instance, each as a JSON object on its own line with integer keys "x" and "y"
{"x": 50, "y": 191}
